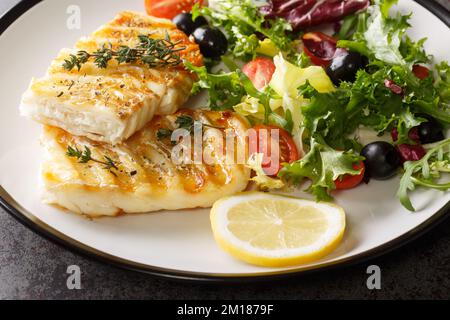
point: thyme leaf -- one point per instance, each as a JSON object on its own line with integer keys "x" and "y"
{"x": 163, "y": 133}
{"x": 185, "y": 122}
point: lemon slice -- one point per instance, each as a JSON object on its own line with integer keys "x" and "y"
{"x": 273, "y": 231}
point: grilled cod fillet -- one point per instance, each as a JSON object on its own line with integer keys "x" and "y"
{"x": 146, "y": 179}
{"x": 111, "y": 104}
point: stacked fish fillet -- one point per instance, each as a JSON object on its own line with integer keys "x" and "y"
{"x": 115, "y": 113}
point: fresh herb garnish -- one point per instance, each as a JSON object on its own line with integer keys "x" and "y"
{"x": 185, "y": 122}
{"x": 86, "y": 155}
{"x": 163, "y": 133}
{"x": 149, "y": 51}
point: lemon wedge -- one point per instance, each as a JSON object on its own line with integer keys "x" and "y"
{"x": 274, "y": 231}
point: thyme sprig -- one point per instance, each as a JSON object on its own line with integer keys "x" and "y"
{"x": 163, "y": 133}
{"x": 187, "y": 122}
{"x": 149, "y": 51}
{"x": 86, "y": 155}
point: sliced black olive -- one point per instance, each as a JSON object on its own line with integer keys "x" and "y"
{"x": 184, "y": 22}
{"x": 344, "y": 66}
{"x": 382, "y": 160}
{"x": 212, "y": 41}
{"x": 430, "y": 131}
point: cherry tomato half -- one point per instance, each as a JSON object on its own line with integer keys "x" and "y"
{"x": 169, "y": 8}
{"x": 288, "y": 152}
{"x": 320, "y": 48}
{"x": 259, "y": 71}
{"x": 349, "y": 181}
{"x": 420, "y": 72}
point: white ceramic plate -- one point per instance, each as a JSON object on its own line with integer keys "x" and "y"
{"x": 176, "y": 243}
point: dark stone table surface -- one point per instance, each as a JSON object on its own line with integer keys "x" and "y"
{"x": 34, "y": 268}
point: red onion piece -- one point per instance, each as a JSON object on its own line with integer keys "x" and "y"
{"x": 409, "y": 152}
{"x": 307, "y": 13}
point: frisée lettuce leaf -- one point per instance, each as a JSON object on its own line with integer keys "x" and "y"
{"x": 224, "y": 89}
{"x": 382, "y": 37}
{"x": 322, "y": 165}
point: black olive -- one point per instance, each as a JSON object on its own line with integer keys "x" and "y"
{"x": 212, "y": 41}
{"x": 344, "y": 67}
{"x": 184, "y": 22}
{"x": 382, "y": 160}
{"x": 430, "y": 131}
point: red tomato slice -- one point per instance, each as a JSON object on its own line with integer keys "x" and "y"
{"x": 349, "y": 181}
{"x": 288, "y": 152}
{"x": 169, "y": 8}
{"x": 320, "y": 48}
{"x": 259, "y": 71}
{"x": 420, "y": 72}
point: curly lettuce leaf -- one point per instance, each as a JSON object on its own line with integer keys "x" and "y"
{"x": 442, "y": 83}
{"x": 322, "y": 165}
{"x": 225, "y": 89}
{"x": 381, "y": 37}
{"x": 370, "y": 103}
{"x": 325, "y": 115}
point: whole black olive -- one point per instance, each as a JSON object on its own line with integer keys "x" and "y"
{"x": 344, "y": 66}
{"x": 430, "y": 131}
{"x": 184, "y": 22}
{"x": 382, "y": 160}
{"x": 212, "y": 41}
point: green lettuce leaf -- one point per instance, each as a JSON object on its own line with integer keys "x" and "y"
{"x": 322, "y": 165}
{"x": 225, "y": 89}
{"x": 442, "y": 83}
{"x": 381, "y": 37}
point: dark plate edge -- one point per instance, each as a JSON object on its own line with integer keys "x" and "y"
{"x": 36, "y": 225}
{"x": 437, "y": 9}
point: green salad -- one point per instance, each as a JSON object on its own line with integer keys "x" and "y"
{"x": 325, "y": 88}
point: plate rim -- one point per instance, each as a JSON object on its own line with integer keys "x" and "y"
{"x": 33, "y": 223}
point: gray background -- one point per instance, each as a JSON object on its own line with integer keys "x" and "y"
{"x": 34, "y": 268}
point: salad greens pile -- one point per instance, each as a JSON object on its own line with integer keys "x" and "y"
{"x": 323, "y": 117}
